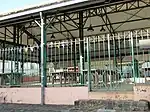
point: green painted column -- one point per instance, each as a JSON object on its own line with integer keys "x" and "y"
{"x": 43, "y": 53}
{"x": 43, "y": 59}
{"x": 136, "y": 68}
{"x": 81, "y": 35}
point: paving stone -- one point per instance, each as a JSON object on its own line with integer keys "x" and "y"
{"x": 106, "y": 110}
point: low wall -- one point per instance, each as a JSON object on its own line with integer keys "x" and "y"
{"x": 63, "y": 95}
{"x": 20, "y": 95}
{"x": 68, "y": 95}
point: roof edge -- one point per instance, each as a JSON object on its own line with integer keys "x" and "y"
{"x": 40, "y": 8}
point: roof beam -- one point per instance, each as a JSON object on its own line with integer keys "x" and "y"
{"x": 65, "y": 28}
{"x": 22, "y": 28}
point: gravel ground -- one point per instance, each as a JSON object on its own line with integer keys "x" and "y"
{"x": 33, "y": 108}
{"x": 49, "y": 108}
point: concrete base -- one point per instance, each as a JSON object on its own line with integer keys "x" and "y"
{"x": 68, "y": 95}
{"x": 60, "y": 95}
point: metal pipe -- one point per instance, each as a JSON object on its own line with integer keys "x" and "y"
{"x": 108, "y": 36}
{"x": 89, "y": 65}
{"x": 133, "y": 60}
{"x": 43, "y": 60}
{"x": 81, "y": 35}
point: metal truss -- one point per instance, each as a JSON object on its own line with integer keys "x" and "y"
{"x": 100, "y": 11}
{"x": 126, "y": 5}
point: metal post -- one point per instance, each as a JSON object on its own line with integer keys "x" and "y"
{"x": 43, "y": 59}
{"x": 108, "y": 37}
{"x": 81, "y": 46}
{"x": 115, "y": 56}
{"x": 4, "y": 52}
{"x": 89, "y": 65}
{"x": 74, "y": 54}
{"x": 39, "y": 58}
{"x": 133, "y": 61}
{"x": 22, "y": 59}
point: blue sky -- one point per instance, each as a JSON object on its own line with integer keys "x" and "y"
{"x": 8, "y": 5}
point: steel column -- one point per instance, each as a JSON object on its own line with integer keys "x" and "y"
{"x": 89, "y": 64}
{"x": 81, "y": 36}
{"x": 43, "y": 59}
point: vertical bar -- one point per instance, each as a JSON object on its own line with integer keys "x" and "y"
{"x": 14, "y": 33}
{"x": 51, "y": 62}
{"x": 119, "y": 52}
{"x": 71, "y": 59}
{"x": 115, "y": 60}
{"x": 43, "y": 59}
{"x": 63, "y": 62}
{"x": 30, "y": 62}
{"x": 105, "y": 76}
{"x": 124, "y": 75}
{"x": 133, "y": 60}
{"x": 38, "y": 65}
{"x": 17, "y": 35}
{"x": 99, "y": 59}
{"x": 4, "y": 52}
{"x": 59, "y": 56}
{"x": 39, "y": 59}
{"x": 89, "y": 64}
{"x": 148, "y": 55}
{"x": 108, "y": 37}
{"x": 22, "y": 59}
{"x": 137, "y": 54}
{"x": 81, "y": 35}
{"x": 67, "y": 63}
{"x": 53, "y": 53}
{"x": 74, "y": 53}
